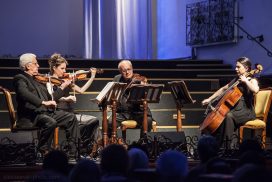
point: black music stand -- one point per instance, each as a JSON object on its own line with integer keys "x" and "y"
{"x": 181, "y": 96}
{"x": 144, "y": 94}
{"x": 110, "y": 95}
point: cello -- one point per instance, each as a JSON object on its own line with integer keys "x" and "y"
{"x": 225, "y": 102}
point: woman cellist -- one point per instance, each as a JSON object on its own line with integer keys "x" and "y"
{"x": 243, "y": 110}
{"x": 88, "y": 125}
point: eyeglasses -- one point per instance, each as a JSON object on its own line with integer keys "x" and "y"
{"x": 34, "y": 63}
{"x": 126, "y": 70}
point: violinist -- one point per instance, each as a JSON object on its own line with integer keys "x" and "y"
{"x": 36, "y": 107}
{"x": 88, "y": 125}
{"x": 127, "y": 111}
{"x": 243, "y": 110}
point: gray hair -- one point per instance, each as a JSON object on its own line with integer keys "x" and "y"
{"x": 124, "y": 61}
{"x": 25, "y": 59}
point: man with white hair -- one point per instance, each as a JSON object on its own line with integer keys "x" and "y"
{"x": 36, "y": 106}
{"x": 128, "y": 111}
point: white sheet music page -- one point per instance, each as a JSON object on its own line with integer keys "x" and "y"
{"x": 104, "y": 91}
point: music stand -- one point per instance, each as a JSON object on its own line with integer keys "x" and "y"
{"x": 109, "y": 95}
{"x": 144, "y": 94}
{"x": 181, "y": 96}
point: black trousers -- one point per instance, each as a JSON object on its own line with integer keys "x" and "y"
{"x": 233, "y": 120}
{"x": 225, "y": 130}
{"x": 89, "y": 129}
{"x": 48, "y": 121}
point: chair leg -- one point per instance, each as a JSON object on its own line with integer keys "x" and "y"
{"x": 154, "y": 126}
{"x": 124, "y": 132}
{"x": 56, "y": 138}
{"x": 263, "y": 137}
{"x": 241, "y": 133}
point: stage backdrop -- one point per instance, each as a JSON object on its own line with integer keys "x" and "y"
{"x": 135, "y": 29}
{"x": 45, "y": 27}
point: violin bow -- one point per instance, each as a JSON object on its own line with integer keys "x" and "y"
{"x": 51, "y": 88}
{"x": 73, "y": 80}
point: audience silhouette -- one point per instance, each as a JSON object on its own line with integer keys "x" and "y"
{"x": 85, "y": 170}
{"x": 172, "y": 166}
{"x": 55, "y": 168}
{"x": 114, "y": 163}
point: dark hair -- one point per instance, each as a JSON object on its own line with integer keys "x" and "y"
{"x": 114, "y": 159}
{"x": 245, "y": 62}
{"x": 56, "y": 161}
{"x": 56, "y": 60}
{"x": 207, "y": 148}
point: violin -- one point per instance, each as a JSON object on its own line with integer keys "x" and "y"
{"x": 80, "y": 75}
{"x": 138, "y": 78}
{"x": 45, "y": 78}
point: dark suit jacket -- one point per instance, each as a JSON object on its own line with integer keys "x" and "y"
{"x": 124, "y": 106}
{"x": 128, "y": 108}
{"x": 29, "y": 97}
{"x": 117, "y": 78}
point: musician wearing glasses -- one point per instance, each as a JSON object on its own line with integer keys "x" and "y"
{"x": 36, "y": 107}
{"x": 128, "y": 111}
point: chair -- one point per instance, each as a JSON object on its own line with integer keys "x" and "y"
{"x": 143, "y": 94}
{"x": 13, "y": 119}
{"x": 262, "y": 104}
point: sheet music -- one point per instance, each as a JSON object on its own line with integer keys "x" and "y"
{"x": 185, "y": 93}
{"x": 107, "y": 91}
{"x": 104, "y": 91}
{"x": 180, "y": 92}
{"x": 150, "y": 92}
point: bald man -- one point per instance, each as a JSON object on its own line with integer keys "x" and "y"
{"x": 127, "y": 111}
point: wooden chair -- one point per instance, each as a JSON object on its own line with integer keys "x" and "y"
{"x": 13, "y": 118}
{"x": 262, "y": 104}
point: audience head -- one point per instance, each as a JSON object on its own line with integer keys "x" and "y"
{"x": 114, "y": 159}
{"x": 250, "y": 145}
{"x": 218, "y": 165}
{"x": 48, "y": 176}
{"x": 126, "y": 69}
{"x": 137, "y": 159}
{"x": 56, "y": 161}
{"x": 84, "y": 171}
{"x": 252, "y": 157}
{"x": 172, "y": 166}
{"x": 207, "y": 148}
{"x": 251, "y": 173}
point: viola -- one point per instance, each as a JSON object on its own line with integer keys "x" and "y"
{"x": 225, "y": 101}
{"x": 45, "y": 78}
{"x": 80, "y": 75}
{"x": 137, "y": 77}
